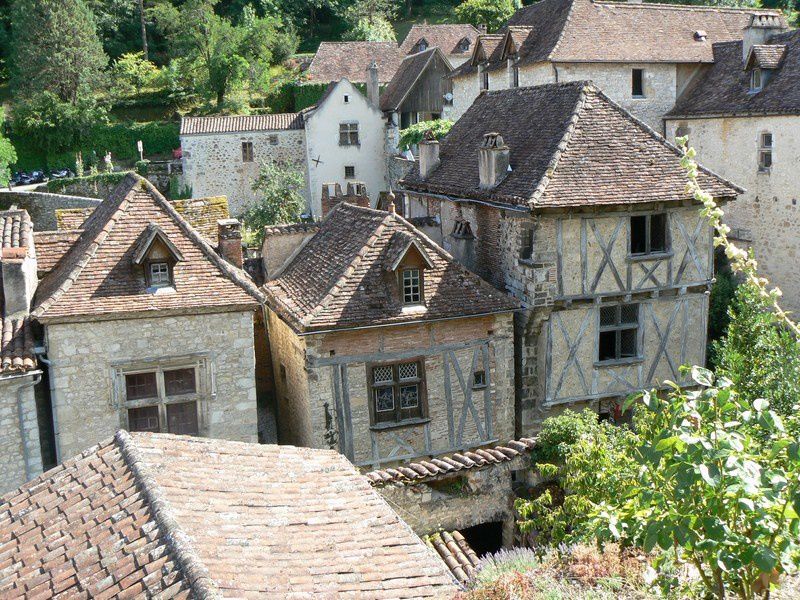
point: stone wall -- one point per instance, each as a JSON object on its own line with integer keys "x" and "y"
{"x": 213, "y": 165}
{"x": 41, "y": 206}
{"x": 88, "y": 359}
{"x": 20, "y": 454}
{"x": 767, "y": 215}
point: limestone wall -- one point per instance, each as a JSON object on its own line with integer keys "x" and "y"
{"x": 213, "y": 165}
{"x": 89, "y": 360}
{"x": 767, "y": 215}
{"x": 20, "y": 454}
{"x": 41, "y": 206}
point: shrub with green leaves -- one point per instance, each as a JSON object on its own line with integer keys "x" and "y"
{"x": 492, "y": 13}
{"x": 718, "y": 481}
{"x": 413, "y": 135}
{"x": 280, "y": 199}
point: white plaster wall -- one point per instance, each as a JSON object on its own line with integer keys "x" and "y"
{"x": 768, "y": 211}
{"x": 83, "y": 356}
{"x": 322, "y": 142}
{"x": 213, "y": 166}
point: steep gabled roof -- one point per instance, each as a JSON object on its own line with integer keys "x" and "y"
{"x": 765, "y": 56}
{"x": 601, "y": 31}
{"x": 446, "y": 37}
{"x": 157, "y": 515}
{"x": 350, "y": 60}
{"x": 570, "y": 145}
{"x": 406, "y": 76}
{"x": 96, "y": 278}
{"x": 338, "y": 279}
{"x": 724, "y": 90}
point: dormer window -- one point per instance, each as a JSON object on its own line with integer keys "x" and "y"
{"x": 756, "y": 80}
{"x": 484, "y": 78}
{"x": 513, "y": 73}
{"x": 159, "y": 275}
{"x": 464, "y": 45}
{"x": 422, "y": 45}
{"x": 157, "y": 256}
{"x": 412, "y": 288}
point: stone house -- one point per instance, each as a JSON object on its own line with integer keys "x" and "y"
{"x": 455, "y": 40}
{"x": 743, "y": 118}
{"x": 643, "y": 55}
{"x": 145, "y": 515}
{"x": 583, "y": 216}
{"x": 384, "y": 347}
{"x": 222, "y": 155}
{"x": 340, "y": 140}
{"x": 139, "y": 323}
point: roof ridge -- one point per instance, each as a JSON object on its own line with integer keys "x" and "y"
{"x": 348, "y": 270}
{"x": 176, "y": 539}
{"x": 562, "y": 144}
{"x": 689, "y": 7}
{"x": 564, "y": 26}
{"x": 664, "y": 141}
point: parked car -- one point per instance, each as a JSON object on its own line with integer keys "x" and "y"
{"x": 61, "y": 174}
{"x": 38, "y": 177}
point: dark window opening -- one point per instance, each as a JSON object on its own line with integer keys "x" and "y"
{"x": 619, "y": 332}
{"x": 484, "y": 80}
{"x": 144, "y": 419}
{"x": 484, "y": 538}
{"x": 182, "y": 418}
{"x": 479, "y": 379}
{"x": 179, "y": 381}
{"x": 397, "y": 392}
{"x": 348, "y": 134}
{"x": 247, "y": 151}
{"x": 349, "y": 171}
{"x": 526, "y": 249}
{"x": 140, "y": 385}
{"x": 637, "y": 83}
{"x": 649, "y": 234}
{"x": 515, "y": 76}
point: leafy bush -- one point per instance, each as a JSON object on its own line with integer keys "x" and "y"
{"x": 718, "y": 481}
{"x": 492, "y": 13}
{"x": 560, "y": 434}
{"x": 280, "y": 199}
{"x": 376, "y": 29}
{"x": 411, "y": 136}
{"x": 108, "y": 180}
{"x": 493, "y": 566}
{"x": 141, "y": 167}
{"x": 131, "y": 72}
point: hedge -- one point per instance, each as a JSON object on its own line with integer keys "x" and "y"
{"x": 118, "y": 138}
{"x": 57, "y": 186}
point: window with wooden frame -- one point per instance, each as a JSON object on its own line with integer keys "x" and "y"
{"x": 649, "y": 234}
{"x": 159, "y": 274}
{"x": 412, "y": 286}
{"x": 637, "y": 83}
{"x": 514, "y": 73}
{"x": 163, "y": 400}
{"x": 765, "y": 145}
{"x": 397, "y": 392}
{"x": 756, "y": 80}
{"x": 484, "y": 79}
{"x": 247, "y": 151}
{"x": 348, "y": 134}
{"x": 618, "y": 338}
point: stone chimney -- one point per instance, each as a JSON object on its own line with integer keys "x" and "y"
{"x": 230, "y": 241}
{"x": 373, "y": 85}
{"x": 428, "y": 155}
{"x": 493, "y": 157}
{"x": 483, "y": 28}
{"x": 758, "y": 31}
{"x": 18, "y": 263}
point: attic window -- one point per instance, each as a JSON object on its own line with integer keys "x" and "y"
{"x": 347, "y": 98}
{"x": 422, "y": 45}
{"x": 412, "y": 286}
{"x": 157, "y": 256}
{"x": 755, "y": 80}
{"x": 464, "y": 45}
{"x": 484, "y": 75}
{"x": 159, "y": 275}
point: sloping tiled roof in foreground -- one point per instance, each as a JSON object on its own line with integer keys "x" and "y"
{"x": 577, "y": 148}
{"x": 593, "y": 31}
{"x": 97, "y": 278}
{"x": 156, "y": 515}
{"x": 350, "y": 60}
{"x": 725, "y": 88}
{"x": 341, "y": 278}
{"x": 241, "y": 123}
{"x": 456, "y": 553}
{"x": 51, "y": 246}
{"x": 445, "y": 36}
{"x": 419, "y": 471}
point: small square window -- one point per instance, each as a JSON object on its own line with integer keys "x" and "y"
{"x": 637, "y": 83}
{"x": 159, "y": 275}
{"x": 479, "y": 379}
{"x": 412, "y": 290}
{"x": 648, "y": 234}
{"x": 140, "y": 385}
{"x": 247, "y": 151}
{"x": 179, "y": 381}
{"x": 619, "y": 333}
{"x": 349, "y": 171}
{"x": 144, "y": 419}
{"x": 182, "y": 418}
{"x": 348, "y": 134}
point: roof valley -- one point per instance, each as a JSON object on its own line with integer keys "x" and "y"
{"x": 176, "y": 539}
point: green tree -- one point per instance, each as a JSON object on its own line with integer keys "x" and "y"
{"x": 369, "y": 20}
{"x": 55, "y": 49}
{"x": 280, "y": 199}
{"x": 377, "y": 29}
{"x": 131, "y": 72}
{"x": 758, "y": 354}
{"x": 8, "y": 156}
{"x": 413, "y": 135}
{"x": 492, "y": 13}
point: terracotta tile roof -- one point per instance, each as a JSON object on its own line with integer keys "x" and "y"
{"x": 51, "y": 246}
{"x": 578, "y": 148}
{"x": 405, "y": 77}
{"x": 416, "y": 472}
{"x": 488, "y": 49}
{"x": 16, "y": 346}
{"x": 338, "y": 279}
{"x": 290, "y": 228}
{"x": 16, "y": 229}
{"x": 350, "y": 60}
{"x": 446, "y": 37}
{"x": 96, "y": 278}
{"x": 456, "y": 553}
{"x": 72, "y": 218}
{"x": 725, "y": 88}
{"x": 180, "y": 517}
{"x": 241, "y": 123}
{"x": 592, "y": 31}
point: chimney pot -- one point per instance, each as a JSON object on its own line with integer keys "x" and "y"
{"x": 760, "y": 29}
{"x": 428, "y": 155}
{"x": 373, "y": 85}
{"x": 493, "y": 161}
{"x": 230, "y": 241}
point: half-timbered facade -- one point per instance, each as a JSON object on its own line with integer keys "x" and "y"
{"x": 583, "y": 216}
{"x": 385, "y": 348}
